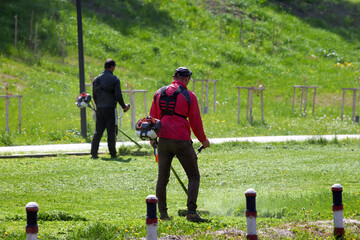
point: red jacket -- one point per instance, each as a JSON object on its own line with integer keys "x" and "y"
{"x": 177, "y": 127}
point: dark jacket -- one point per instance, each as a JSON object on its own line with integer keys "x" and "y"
{"x": 107, "y": 90}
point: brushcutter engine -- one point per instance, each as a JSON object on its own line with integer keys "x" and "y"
{"x": 147, "y": 128}
{"x": 84, "y": 100}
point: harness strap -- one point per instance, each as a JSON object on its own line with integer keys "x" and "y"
{"x": 168, "y": 103}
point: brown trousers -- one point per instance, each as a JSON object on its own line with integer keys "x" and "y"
{"x": 184, "y": 151}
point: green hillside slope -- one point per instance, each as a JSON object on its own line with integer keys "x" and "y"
{"x": 239, "y": 43}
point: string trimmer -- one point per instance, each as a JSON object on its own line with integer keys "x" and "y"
{"x": 84, "y": 100}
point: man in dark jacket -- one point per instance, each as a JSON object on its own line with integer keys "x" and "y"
{"x": 106, "y": 94}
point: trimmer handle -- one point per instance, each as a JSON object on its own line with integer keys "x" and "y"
{"x": 199, "y": 149}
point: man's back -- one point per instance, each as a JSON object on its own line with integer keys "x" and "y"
{"x": 175, "y": 126}
{"x": 106, "y": 90}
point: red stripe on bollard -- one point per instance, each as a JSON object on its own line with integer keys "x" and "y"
{"x": 339, "y": 232}
{"x": 252, "y": 237}
{"x": 337, "y": 208}
{"x": 151, "y": 221}
{"x": 33, "y": 230}
{"x": 250, "y": 214}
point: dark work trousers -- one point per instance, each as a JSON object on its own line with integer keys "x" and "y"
{"x": 105, "y": 118}
{"x": 184, "y": 151}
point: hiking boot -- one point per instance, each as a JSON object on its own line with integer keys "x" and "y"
{"x": 94, "y": 157}
{"x": 196, "y": 218}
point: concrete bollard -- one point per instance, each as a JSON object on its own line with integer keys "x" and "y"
{"x": 151, "y": 218}
{"x": 251, "y": 214}
{"x": 337, "y": 208}
{"x": 32, "y": 228}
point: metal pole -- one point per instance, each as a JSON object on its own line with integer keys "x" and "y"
{"x": 7, "y": 103}
{"x": 81, "y": 67}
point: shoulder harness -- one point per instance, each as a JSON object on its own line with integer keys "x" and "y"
{"x": 168, "y": 103}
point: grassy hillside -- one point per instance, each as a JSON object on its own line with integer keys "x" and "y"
{"x": 240, "y": 43}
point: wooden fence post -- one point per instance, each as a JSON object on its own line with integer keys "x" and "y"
{"x": 262, "y": 106}
{"x": 353, "y": 103}
{"x": 31, "y": 28}
{"x": 20, "y": 113}
{"x": 205, "y": 109}
{"x": 7, "y": 102}
{"x": 305, "y": 103}
{"x": 214, "y": 103}
{"x": 132, "y": 104}
{"x": 63, "y": 45}
{"x": 7, "y": 97}
{"x": 145, "y": 104}
{"x": 59, "y": 40}
{"x": 241, "y": 31}
{"x": 36, "y": 52}
{"x": 303, "y": 99}
{"x": 16, "y": 30}
{"x": 238, "y": 107}
{"x": 249, "y": 103}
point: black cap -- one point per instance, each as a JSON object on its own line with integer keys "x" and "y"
{"x": 182, "y": 71}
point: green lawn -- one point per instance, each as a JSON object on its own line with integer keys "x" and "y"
{"x": 105, "y": 199}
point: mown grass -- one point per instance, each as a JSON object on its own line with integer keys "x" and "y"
{"x": 278, "y": 43}
{"x": 105, "y": 199}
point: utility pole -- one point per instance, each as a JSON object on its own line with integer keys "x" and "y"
{"x": 81, "y": 67}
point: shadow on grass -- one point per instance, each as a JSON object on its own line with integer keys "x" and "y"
{"x": 340, "y": 17}
{"x": 117, "y": 159}
{"x": 127, "y": 14}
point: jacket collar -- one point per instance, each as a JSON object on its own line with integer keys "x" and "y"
{"x": 107, "y": 71}
{"x": 178, "y": 82}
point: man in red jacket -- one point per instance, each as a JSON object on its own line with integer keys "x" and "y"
{"x": 178, "y": 109}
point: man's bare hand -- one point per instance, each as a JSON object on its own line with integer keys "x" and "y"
{"x": 206, "y": 143}
{"x": 127, "y": 107}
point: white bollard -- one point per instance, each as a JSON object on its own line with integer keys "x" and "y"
{"x": 251, "y": 214}
{"x": 151, "y": 218}
{"x": 337, "y": 208}
{"x": 32, "y": 228}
